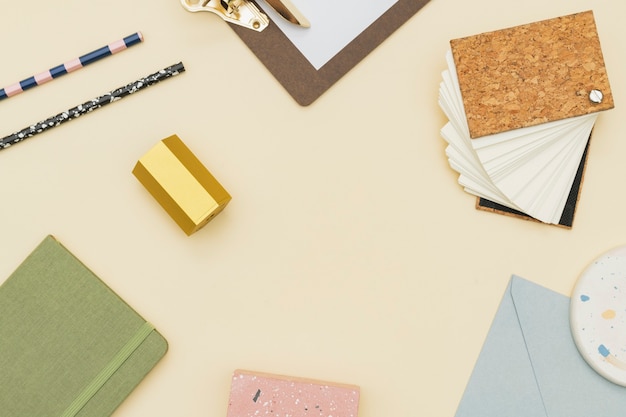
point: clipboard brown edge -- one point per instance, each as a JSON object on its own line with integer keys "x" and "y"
{"x": 296, "y": 74}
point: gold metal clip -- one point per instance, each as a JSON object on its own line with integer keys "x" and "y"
{"x": 240, "y": 12}
{"x": 289, "y": 12}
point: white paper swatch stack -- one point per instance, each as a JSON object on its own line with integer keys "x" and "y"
{"x": 525, "y": 162}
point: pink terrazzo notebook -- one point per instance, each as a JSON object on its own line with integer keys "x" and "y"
{"x": 261, "y": 394}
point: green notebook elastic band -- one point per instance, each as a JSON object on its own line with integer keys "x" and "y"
{"x": 109, "y": 370}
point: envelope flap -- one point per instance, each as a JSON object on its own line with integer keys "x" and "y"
{"x": 502, "y": 382}
{"x": 568, "y": 386}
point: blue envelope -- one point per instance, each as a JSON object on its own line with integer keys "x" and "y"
{"x": 529, "y": 365}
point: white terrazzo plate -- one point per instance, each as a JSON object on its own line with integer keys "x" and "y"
{"x": 598, "y": 315}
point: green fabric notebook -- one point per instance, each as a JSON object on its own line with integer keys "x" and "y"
{"x": 69, "y": 346}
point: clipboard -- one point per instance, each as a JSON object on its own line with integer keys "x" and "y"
{"x": 296, "y": 74}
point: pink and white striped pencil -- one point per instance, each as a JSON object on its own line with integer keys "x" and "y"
{"x": 72, "y": 65}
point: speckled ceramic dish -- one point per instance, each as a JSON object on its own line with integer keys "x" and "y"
{"x": 598, "y": 315}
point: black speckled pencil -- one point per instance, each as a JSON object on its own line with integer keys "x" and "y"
{"x": 91, "y": 105}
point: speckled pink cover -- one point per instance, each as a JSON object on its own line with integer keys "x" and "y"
{"x": 259, "y": 394}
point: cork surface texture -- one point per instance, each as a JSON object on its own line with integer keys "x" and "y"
{"x": 531, "y": 74}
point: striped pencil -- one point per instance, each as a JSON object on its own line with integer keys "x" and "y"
{"x": 71, "y": 65}
{"x": 91, "y": 105}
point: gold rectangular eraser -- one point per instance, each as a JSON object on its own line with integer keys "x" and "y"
{"x": 181, "y": 184}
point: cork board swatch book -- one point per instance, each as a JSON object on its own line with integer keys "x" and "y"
{"x": 521, "y": 104}
{"x": 69, "y": 346}
{"x": 308, "y": 61}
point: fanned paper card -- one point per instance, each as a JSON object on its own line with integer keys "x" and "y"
{"x": 308, "y": 61}
{"x": 69, "y": 346}
{"x": 521, "y": 104}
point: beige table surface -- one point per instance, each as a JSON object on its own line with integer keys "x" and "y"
{"x": 349, "y": 252}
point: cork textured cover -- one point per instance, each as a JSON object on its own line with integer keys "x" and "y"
{"x": 531, "y": 74}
